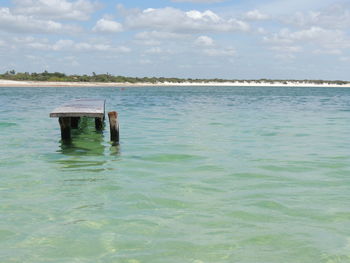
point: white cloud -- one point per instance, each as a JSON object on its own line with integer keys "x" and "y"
{"x": 83, "y": 46}
{"x": 313, "y": 33}
{"x": 301, "y": 19}
{"x": 285, "y": 56}
{"x": 147, "y": 35}
{"x": 56, "y": 9}
{"x": 148, "y": 42}
{"x": 27, "y": 24}
{"x": 198, "y": 1}
{"x": 316, "y": 35}
{"x": 69, "y": 60}
{"x": 145, "y": 61}
{"x": 153, "y": 38}
{"x": 107, "y": 26}
{"x": 217, "y": 52}
{"x": 38, "y": 46}
{"x": 255, "y": 15}
{"x": 322, "y": 41}
{"x": 159, "y": 50}
{"x": 328, "y": 51}
{"x": 155, "y": 50}
{"x": 344, "y": 59}
{"x": 175, "y": 20}
{"x": 40, "y": 43}
{"x": 287, "y": 49}
{"x": 66, "y": 45}
{"x": 335, "y": 16}
{"x": 261, "y": 30}
{"x": 204, "y": 41}
{"x": 63, "y": 44}
{"x": 31, "y": 57}
{"x": 206, "y": 15}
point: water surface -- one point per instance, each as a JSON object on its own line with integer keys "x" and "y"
{"x": 202, "y": 174}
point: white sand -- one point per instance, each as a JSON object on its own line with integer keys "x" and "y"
{"x": 11, "y": 83}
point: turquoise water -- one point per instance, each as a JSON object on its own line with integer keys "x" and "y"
{"x": 202, "y": 174}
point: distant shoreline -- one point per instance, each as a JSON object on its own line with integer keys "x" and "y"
{"x": 11, "y": 83}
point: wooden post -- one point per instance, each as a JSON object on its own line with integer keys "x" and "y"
{"x": 98, "y": 123}
{"x": 114, "y": 125}
{"x": 65, "y": 124}
{"x": 74, "y": 122}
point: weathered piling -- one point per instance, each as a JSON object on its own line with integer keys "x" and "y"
{"x": 114, "y": 126}
{"x": 74, "y": 122}
{"x": 65, "y": 124}
{"x": 98, "y": 123}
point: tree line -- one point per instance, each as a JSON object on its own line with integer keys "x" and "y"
{"x": 61, "y": 77}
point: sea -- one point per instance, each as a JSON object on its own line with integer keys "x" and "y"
{"x": 201, "y": 175}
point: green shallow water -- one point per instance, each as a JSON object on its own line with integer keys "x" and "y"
{"x": 203, "y": 174}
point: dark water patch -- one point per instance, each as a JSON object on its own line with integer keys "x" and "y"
{"x": 203, "y": 188}
{"x": 269, "y": 204}
{"x": 269, "y": 134}
{"x": 302, "y": 135}
{"x": 286, "y": 168}
{"x": 7, "y": 124}
{"x": 6, "y": 234}
{"x": 76, "y": 164}
{"x": 97, "y": 206}
{"x": 216, "y": 124}
{"x": 341, "y": 217}
{"x": 87, "y": 180}
{"x": 74, "y": 222}
{"x": 250, "y": 176}
{"x": 336, "y": 258}
{"x": 208, "y": 168}
{"x": 333, "y": 165}
{"x": 248, "y": 216}
{"x": 172, "y": 157}
{"x": 104, "y": 188}
{"x": 170, "y": 203}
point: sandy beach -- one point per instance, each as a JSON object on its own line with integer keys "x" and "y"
{"x": 11, "y": 83}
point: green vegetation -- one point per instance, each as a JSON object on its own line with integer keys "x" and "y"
{"x": 61, "y": 77}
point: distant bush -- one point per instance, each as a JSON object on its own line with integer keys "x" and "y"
{"x": 57, "y": 76}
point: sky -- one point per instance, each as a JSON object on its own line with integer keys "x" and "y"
{"x": 231, "y": 39}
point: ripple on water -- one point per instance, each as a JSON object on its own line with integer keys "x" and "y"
{"x": 204, "y": 174}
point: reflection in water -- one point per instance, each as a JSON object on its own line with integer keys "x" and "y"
{"x": 86, "y": 150}
{"x": 85, "y": 140}
{"x": 115, "y": 148}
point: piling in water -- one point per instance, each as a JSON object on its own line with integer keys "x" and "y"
{"x": 99, "y": 123}
{"x": 114, "y": 126}
{"x": 65, "y": 124}
{"x": 74, "y": 122}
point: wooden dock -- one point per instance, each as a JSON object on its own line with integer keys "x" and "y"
{"x": 69, "y": 115}
{"x": 81, "y": 108}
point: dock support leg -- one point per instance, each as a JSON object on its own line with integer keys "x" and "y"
{"x": 98, "y": 123}
{"x": 75, "y": 122}
{"x": 65, "y": 124}
{"x": 114, "y": 125}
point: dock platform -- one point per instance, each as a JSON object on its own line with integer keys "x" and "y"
{"x": 93, "y": 108}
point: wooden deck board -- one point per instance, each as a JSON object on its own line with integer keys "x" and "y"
{"x": 94, "y": 108}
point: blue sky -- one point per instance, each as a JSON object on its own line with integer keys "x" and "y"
{"x": 250, "y": 39}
